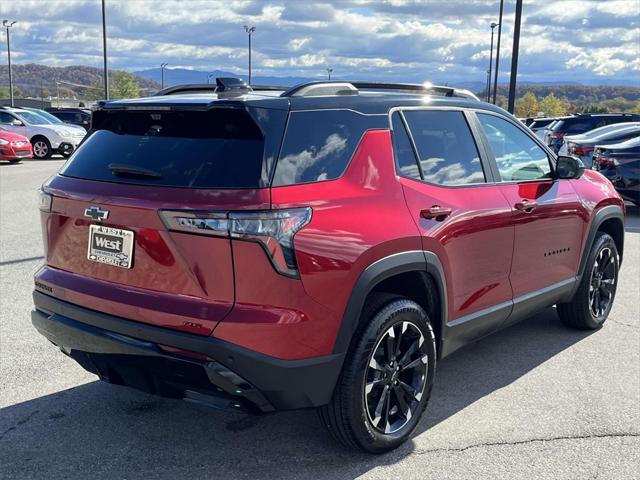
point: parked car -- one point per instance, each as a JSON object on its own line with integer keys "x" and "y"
{"x": 540, "y": 125}
{"x": 14, "y": 147}
{"x": 583, "y": 147}
{"x": 583, "y": 123}
{"x": 620, "y": 163}
{"x": 323, "y": 246}
{"x": 76, "y": 116}
{"x": 592, "y": 133}
{"x": 45, "y": 137}
{"x": 55, "y": 120}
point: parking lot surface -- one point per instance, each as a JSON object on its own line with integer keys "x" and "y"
{"x": 534, "y": 401}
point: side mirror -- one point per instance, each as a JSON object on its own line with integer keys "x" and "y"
{"x": 569, "y": 167}
{"x": 17, "y": 123}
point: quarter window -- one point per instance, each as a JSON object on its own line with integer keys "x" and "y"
{"x": 518, "y": 157}
{"x": 405, "y": 158}
{"x": 447, "y": 152}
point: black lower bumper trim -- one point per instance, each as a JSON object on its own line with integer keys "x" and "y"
{"x": 128, "y": 353}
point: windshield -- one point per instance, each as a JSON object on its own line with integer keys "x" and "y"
{"x": 52, "y": 119}
{"x": 33, "y": 118}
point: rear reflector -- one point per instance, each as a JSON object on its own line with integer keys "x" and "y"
{"x": 272, "y": 229}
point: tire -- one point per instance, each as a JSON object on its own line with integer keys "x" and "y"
{"x": 13, "y": 162}
{"x": 41, "y": 148}
{"x": 352, "y": 416}
{"x": 586, "y": 310}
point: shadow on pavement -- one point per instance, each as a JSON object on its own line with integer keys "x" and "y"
{"x": 102, "y": 431}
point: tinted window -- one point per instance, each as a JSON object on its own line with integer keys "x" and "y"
{"x": 518, "y": 157}
{"x": 220, "y": 148}
{"x": 405, "y": 157}
{"x": 446, "y": 149}
{"x": 318, "y": 145}
{"x": 6, "y": 118}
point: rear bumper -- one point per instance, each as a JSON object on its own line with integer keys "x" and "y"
{"x": 220, "y": 373}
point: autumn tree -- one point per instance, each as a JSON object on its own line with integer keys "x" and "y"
{"x": 121, "y": 85}
{"x": 527, "y": 106}
{"x": 553, "y": 106}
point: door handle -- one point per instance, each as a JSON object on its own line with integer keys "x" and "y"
{"x": 526, "y": 206}
{"x": 435, "y": 211}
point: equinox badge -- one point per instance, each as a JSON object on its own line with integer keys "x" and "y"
{"x": 96, "y": 213}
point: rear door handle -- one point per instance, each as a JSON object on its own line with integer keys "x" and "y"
{"x": 435, "y": 211}
{"x": 525, "y": 205}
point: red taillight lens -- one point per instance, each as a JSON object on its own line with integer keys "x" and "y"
{"x": 558, "y": 134}
{"x": 604, "y": 162}
{"x": 583, "y": 151}
{"x": 273, "y": 229}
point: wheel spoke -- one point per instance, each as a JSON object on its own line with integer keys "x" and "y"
{"x": 370, "y": 385}
{"x": 412, "y": 392}
{"x": 377, "y": 365}
{"x": 400, "y": 394}
{"x": 380, "y": 406}
{"x": 390, "y": 345}
{"x": 413, "y": 364}
{"x": 408, "y": 354}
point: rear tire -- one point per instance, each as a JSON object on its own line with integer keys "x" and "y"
{"x": 387, "y": 377}
{"x": 41, "y": 148}
{"x": 593, "y": 300}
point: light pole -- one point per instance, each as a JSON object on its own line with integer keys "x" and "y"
{"x": 493, "y": 26}
{"x": 210, "y": 76}
{"x": 514, "y": 57}
{"x": 488, "y": 84}
{"x": 249, "y": 31}
{"x": 495, "y": 78}
{"x": 6, "y": 24}
{"x": 329, "y": 71}
{"x": 162, "y": 67}
{"x": 104, "y": 51}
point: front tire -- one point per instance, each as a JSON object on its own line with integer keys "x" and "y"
{"x": 41, "y": 148}
{"x": 593, "y": 300}
{"x": 387, "y": 377}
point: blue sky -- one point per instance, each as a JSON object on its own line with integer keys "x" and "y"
{"x": 566, "y": 40}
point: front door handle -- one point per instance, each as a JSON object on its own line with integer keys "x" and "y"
{"x": 435, "y": 211}
{"x": 526, "y": 206}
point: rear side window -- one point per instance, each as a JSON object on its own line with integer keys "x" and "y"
{"x": 318, "y": 145}
{"x": 219, "y": 148}
{"x": 447, "y": 152}
{"x": 405, "y": 157}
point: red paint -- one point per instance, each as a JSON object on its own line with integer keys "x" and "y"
{"x": 14, "y": 146}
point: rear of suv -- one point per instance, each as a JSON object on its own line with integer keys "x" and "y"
{"x": 323, "y": 246}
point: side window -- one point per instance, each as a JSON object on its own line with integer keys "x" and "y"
{"x": 447, "y": 152}
{"x": 5, "y": 118}
{"x": 318, "y": 146}
{"x": 405, "y": 158}
{"x": 518, "y": 157}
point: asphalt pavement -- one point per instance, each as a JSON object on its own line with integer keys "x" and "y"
{"x": 534, "y": 401}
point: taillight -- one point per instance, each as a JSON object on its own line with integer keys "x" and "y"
{"x": 558, "y": 134}
{"x": 44, "y": 201}
{"x": 272, "y": 229}
{"x": 604, "y": 162}
{"x": 583, "y": 151}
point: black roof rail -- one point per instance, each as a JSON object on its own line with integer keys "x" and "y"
{"x": 352, "y": 88}
{"x": 228, "y": 85}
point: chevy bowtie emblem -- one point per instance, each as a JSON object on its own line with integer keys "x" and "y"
{"x": 96, "y": 213}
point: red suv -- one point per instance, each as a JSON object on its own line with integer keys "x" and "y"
{"x": 323, "y": 246}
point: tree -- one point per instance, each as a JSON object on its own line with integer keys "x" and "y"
{"x": 553, "y": 106}
{"x": 527, "y": 106}
{"x": 123, "y": 85}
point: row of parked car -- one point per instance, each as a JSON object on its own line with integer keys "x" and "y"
{"x": 609, "y": 143}
{"x": 33, "y": 132}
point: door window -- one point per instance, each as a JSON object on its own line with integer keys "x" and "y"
{"x": 518, "y": 157}
{"x": 405, "y": 158}
{"x": 447, "y": 152}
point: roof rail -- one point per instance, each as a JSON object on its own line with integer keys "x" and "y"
{"x": 228, "y": 85}
{"x": 322, "y": 88}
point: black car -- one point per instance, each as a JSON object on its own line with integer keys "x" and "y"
{"x": 620, "y": 163}
{"x": 77, "y": 116}
{"x": 583, "y": 123}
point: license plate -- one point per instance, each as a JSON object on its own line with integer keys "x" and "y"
{"x": 112, "y": 246}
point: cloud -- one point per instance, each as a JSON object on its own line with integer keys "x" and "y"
{"x": 439, "y": 40}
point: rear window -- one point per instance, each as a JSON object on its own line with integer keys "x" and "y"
{"x": 220, "y": 148}
{"x": 318, "y": 145}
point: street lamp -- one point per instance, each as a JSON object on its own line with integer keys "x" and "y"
{"x": 210, "y": 76}
{"x": 497, "y": 69}
{"x": 6, "y": 24}
{"x": 104, "y": 51}
{"x": 329, "y": 71}
{"x": 249, "y": 31}
{"x": 493, "y": 26}
{"x": 162, "y": 67}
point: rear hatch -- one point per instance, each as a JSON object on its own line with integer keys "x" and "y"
{"x": 108, "y": 235}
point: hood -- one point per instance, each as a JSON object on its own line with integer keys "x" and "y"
{"x": 65, "y": 130}
{"x": 12, "y": 137}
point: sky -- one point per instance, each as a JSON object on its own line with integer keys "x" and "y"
{"x": 588, "y": 41}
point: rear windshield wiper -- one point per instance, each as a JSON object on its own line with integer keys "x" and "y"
{"x": 123, "y": 170}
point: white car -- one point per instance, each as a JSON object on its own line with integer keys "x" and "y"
{"x": 45, "y": 137}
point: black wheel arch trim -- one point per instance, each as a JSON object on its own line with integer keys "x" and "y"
{"x": 602, "y": 214}
{"x": 380, "y": 270}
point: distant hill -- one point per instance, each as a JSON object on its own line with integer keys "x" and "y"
{"x": 29, "y": 78}
{"x": 177, "y": 76}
